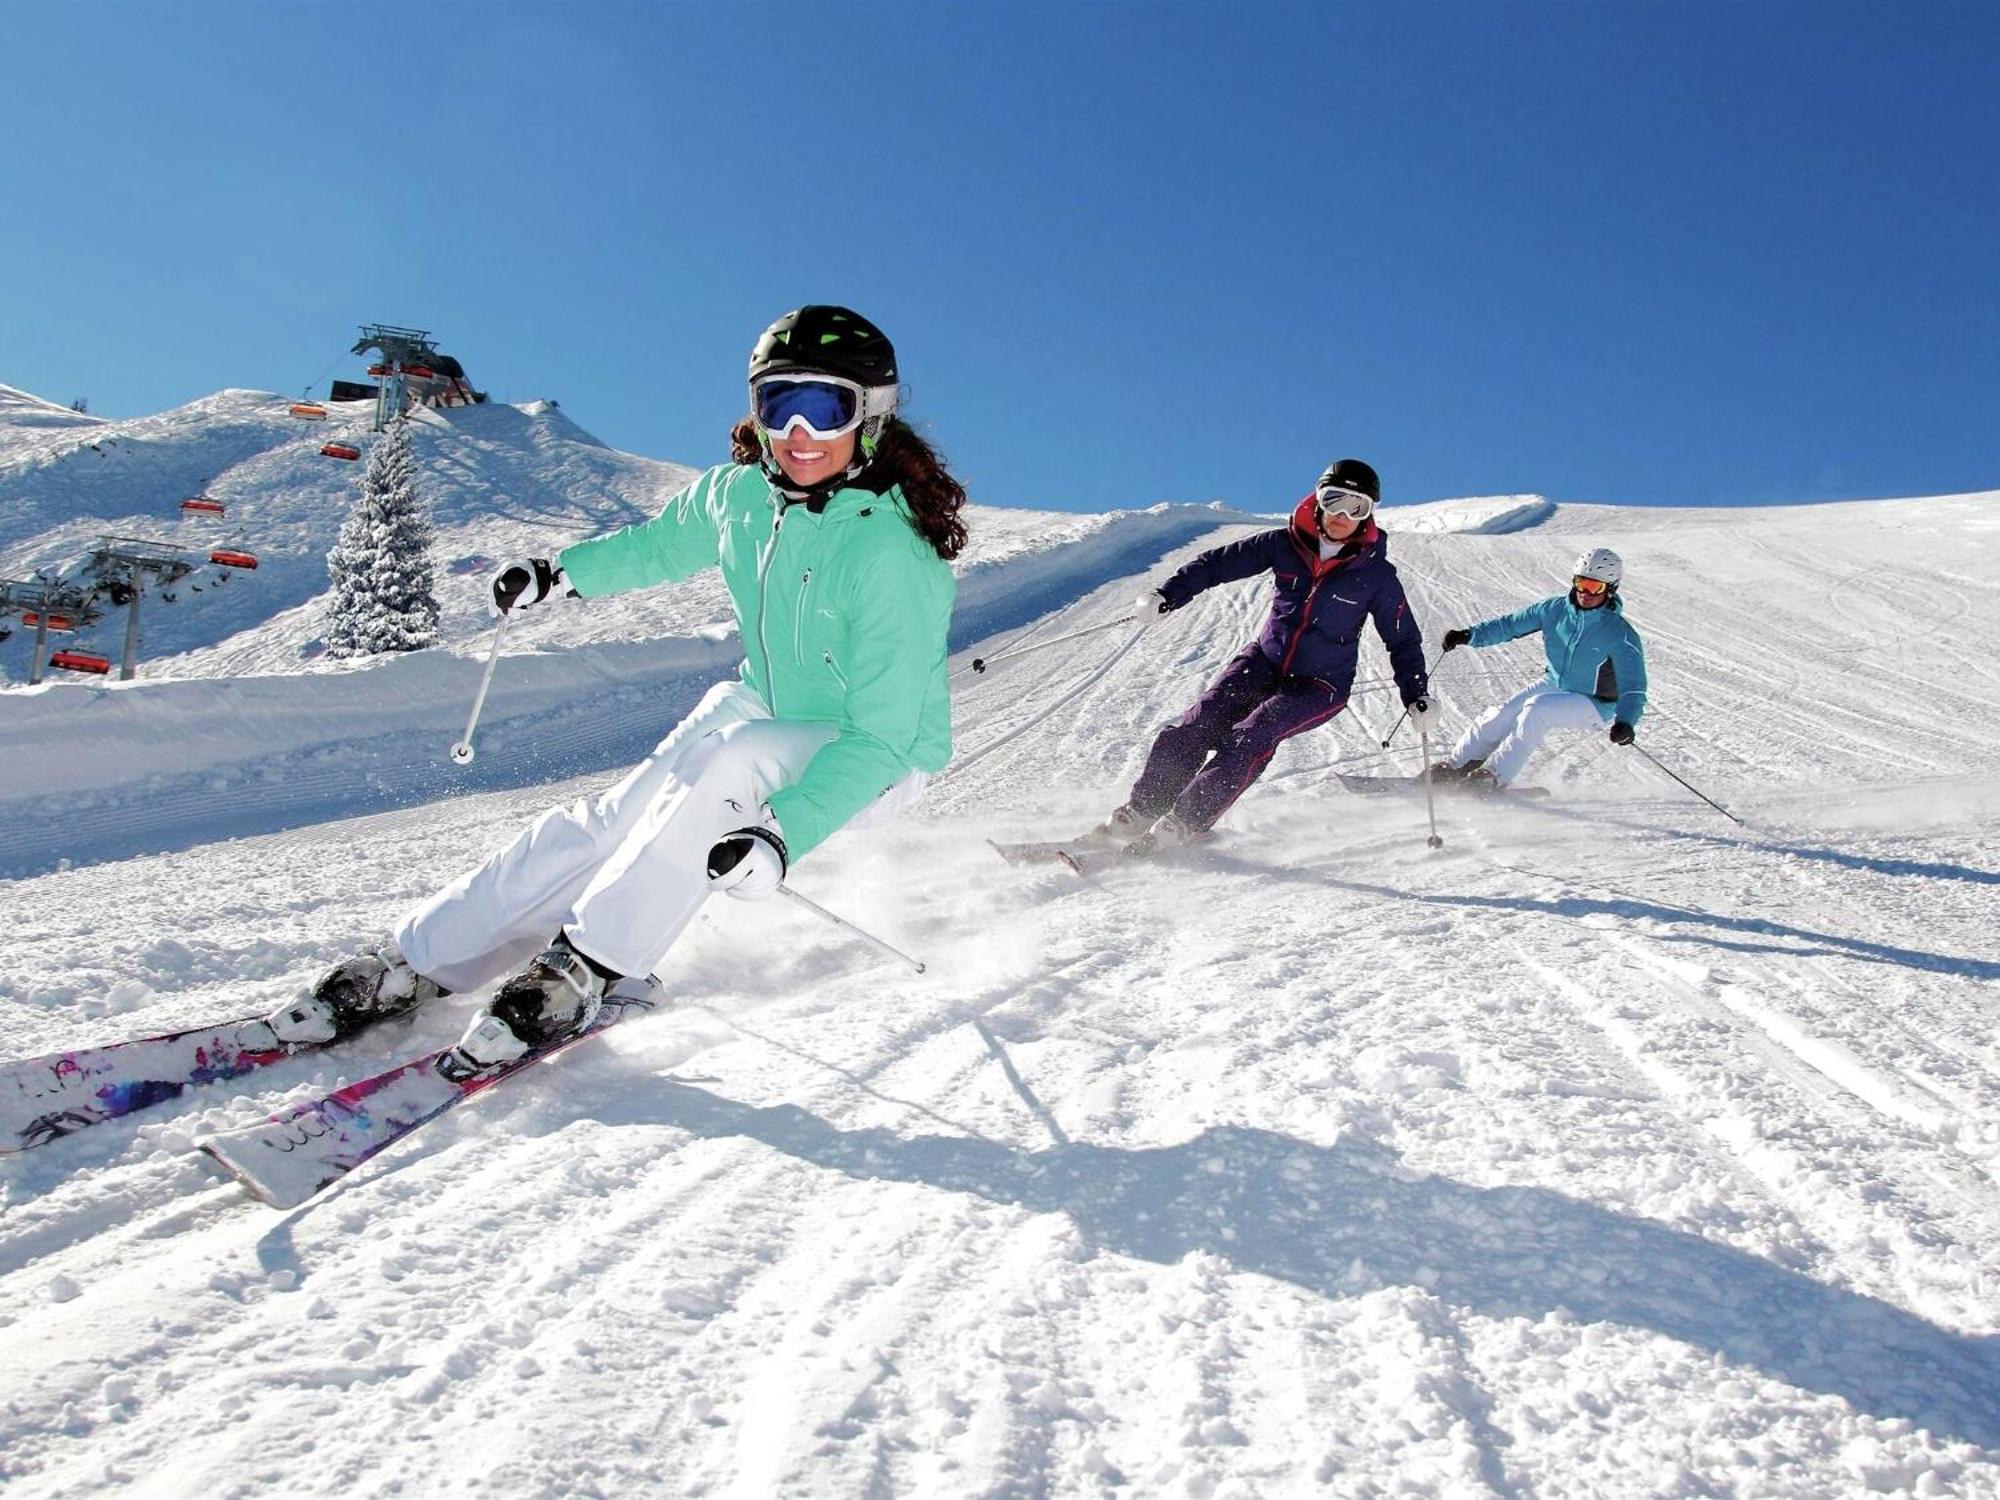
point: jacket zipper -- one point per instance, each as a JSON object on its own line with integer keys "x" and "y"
{"x": 838, "y": 675}
{"x": 1305, "y": 620}
{"x": 763, "y": 598}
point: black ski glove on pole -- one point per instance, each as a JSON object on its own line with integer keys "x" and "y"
{"x": 526, "y": 582}
{"x": 750, "y": 863}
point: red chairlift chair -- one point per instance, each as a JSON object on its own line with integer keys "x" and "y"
{"x": 80, "y": 661}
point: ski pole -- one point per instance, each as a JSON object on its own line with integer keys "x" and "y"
{"x": 461, "y": 750}
{"x": 1406, "y": 707}
{"x": 1436, "y": 840}
{"x": 980, "y": 663}
{"x": 867, "y": 937}
{"x": 958, "y": 766}
{"x": 1696, "y": 790}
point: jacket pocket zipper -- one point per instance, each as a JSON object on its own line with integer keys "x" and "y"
{"x": 799, "y": 621}
{"x": 834, "y": 667}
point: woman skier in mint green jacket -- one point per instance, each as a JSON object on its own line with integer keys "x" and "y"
{"x": 832, "y": 529}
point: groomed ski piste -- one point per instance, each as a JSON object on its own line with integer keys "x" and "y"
{"x": 1611, "y": 1149}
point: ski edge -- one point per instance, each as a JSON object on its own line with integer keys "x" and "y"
{"x": 220, "y": 1146}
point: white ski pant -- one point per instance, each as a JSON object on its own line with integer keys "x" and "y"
{"x": 1507, "y": 735}
{"x": 624, "y": 872}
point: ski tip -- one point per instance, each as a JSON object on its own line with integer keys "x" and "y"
{"x": 263, "y": 1192}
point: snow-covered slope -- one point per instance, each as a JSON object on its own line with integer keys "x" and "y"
{"x": 24, "y": 415}
{"x": 1612, "y": 1149}
{"x": 498, "y": 480}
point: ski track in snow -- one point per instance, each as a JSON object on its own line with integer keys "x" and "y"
{"x": 1613, "y": 1149}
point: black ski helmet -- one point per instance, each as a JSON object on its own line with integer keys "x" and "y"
{"x": 819, "y": 340}
{"x": 1350, "y": 476}
{"x": 825, "y": 340}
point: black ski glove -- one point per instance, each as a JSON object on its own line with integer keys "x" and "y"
{"x": 1621, "y": 733}
{"x": 750, "y": 863}
{"x": 1453, "y": 639}
{"x": 524, "y": 583}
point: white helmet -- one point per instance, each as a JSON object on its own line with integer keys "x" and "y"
{"x": 1600, "y": 563}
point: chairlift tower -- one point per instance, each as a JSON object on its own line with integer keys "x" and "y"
{"x": 402, "y": 349}
{"x": 46, "y": 597}
{"x": 121, "y": 565}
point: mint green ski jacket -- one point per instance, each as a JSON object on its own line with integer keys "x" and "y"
{"x": 844, "y": 618}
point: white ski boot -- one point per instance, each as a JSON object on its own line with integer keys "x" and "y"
{"x": 1165, "y": 836}
{"x": 1123, "y": 826}
{"x": 551, "y": 1000}
{"x": 356, "y": 993}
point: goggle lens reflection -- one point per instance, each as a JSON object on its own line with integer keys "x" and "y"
{"x": 824, "y": 409}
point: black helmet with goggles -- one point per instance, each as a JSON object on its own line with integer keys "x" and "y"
{"x": 1348, "y": 488}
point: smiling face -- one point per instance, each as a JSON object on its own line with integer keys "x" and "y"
{"x": 809, "y": 461}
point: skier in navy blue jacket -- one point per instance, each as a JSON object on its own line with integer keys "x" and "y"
{"x": 1597, "y": 673}
{"x": 1332, "y": 574}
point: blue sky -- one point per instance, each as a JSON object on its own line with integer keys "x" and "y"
{"x": 1683, "y": 253}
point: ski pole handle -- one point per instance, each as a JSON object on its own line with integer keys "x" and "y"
{"x": 867, "y": 937}
{"x": 461, "y": 750}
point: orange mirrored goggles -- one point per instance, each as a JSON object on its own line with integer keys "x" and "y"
{"x": 1590, "y": 588}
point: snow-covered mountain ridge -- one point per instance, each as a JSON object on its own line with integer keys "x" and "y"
{"x": 1612, "y": 1149}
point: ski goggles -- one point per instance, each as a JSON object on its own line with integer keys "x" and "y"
{"x": 1350, "y": 503}
{"x": 825, "y": 405}
{"x": 1590, "y": 588}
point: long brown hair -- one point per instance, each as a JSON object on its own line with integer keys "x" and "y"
{"x": 918, "y": 469}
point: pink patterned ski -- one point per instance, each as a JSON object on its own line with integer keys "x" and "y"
{"x": 286, "y": 1159}
{"x": 42, "y": 1098}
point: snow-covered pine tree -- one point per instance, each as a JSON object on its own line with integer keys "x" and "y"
{"x": 384, "y": 587}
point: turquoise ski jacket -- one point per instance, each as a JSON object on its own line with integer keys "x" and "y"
{"x": 1595, "y": 652}
{"x": 844, "y": 616}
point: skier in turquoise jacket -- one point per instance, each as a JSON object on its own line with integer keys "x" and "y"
{"x": 1597, "y": 674}
{"x": 833, "y": 528}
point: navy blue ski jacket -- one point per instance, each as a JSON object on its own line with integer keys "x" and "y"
{"x": 1314, "y": 628}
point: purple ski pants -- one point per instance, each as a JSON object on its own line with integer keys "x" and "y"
{"x": 1200, "y": 765}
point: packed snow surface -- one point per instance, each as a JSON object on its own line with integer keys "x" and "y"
{"x": 1614, "y": 1148}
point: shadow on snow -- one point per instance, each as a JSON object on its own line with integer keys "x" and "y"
{"x": 1344, "y": 1219}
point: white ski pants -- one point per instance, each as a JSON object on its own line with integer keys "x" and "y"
{"x": 1507, "y": 735}
{"x": 624, "y": 872}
